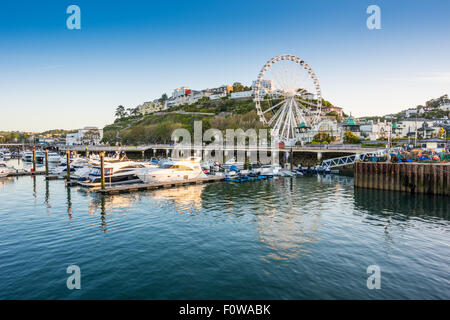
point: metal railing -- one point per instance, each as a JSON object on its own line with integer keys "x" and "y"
{"x": 347, "y": 160}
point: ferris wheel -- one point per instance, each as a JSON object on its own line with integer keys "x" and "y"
{"x": 288, "y": 97}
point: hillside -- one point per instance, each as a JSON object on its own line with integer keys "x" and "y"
{"x": 157, "y": 127}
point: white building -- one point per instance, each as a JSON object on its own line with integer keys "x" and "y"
{"x": 72, "y": 139}
{"x": 87, "y": 135}
{"x": 217, "y": 96}
{"x": 266, "y": 85}
{"x": 178, "y": 92}
{"x": 222, "y": 89}
{"x": 374, "y": 131}
{"x": 411, "y": 112}
{"x": 445, "y": 106}
{"x": 308, "y": 96}
{"x": 195, "y": 96}
{"x": 406, "y": 127}
{"x": 242, "y": 95}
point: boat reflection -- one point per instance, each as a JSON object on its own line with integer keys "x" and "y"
{"x": 109, "y": 203}
{"x": 186, "y": 199}
{"x": 6, "y": 180}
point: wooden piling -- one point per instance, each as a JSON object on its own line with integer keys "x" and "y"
{"x": 68, "y": 165}
{"x": 46, "y": 162}
{"x": 102, "y": 169}
{"x": 34, "y": 159}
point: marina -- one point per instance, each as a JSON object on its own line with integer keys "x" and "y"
{"x": 256, "y": 239}
{"x": 234, "y": 154}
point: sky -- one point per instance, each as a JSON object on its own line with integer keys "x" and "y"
{"x": 132, "y": 51}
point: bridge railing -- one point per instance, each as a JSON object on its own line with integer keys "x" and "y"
{"x": 347, "y": 160}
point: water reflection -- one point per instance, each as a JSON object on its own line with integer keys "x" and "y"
{"x": 186, "y": 199}
{"x": 109, "y": 203}
{"x": 6, "y": 180}
{"x": 34, "y": 187}
{"x": 284, "y": 226}
{"x": 47, "y": 196}
{"x": 103, "y": 213}
{"x": 401, "y": 205}
{"x": 69, "y": 202}
{"x": 278, "y": 209}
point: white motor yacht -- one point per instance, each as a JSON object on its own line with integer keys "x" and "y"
{"x": 5, "y": 154}
{"x": 175, "y": 170}
{"x": 116, "y": 172}
{"x": 5, "y": 170}
{"x": 54, "y": 157}
{"x": 27, "y": 156}
{"x": 75, "y": 164}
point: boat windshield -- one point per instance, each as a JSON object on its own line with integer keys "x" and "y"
{"x": 98, "y": 172}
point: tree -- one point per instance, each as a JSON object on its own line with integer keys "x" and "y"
{"x": 335, "y": 115}
{"x": 237, "y": 87}
{"x": 91, "y": 136}
{"x": 350, "y": 138}
{"x": 131, "y": 111}
{"x": 120, "y": 112}
{"x": 322, "y": 137}
{"x": 163, "y": 98}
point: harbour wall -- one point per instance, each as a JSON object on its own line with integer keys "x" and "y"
{"x": 420, "y": 178}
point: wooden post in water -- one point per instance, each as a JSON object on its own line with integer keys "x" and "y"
{"x": 34, "y": 160}
{"x": 102, "y": 169}
{"x": 46, "y": 162}
{"x": 68, "y": 165}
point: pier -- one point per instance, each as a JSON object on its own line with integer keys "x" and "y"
{"x": 152, "y": 186}
{"x": 424, "y": 178}
{"x": 26, "y": 173}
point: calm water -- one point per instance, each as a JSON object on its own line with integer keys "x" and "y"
{"x": 300, "y": 238}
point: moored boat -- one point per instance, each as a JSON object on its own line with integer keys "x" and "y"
{"x": 175, "y": 170}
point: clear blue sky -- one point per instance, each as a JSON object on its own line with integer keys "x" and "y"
{"x": 131, "y": 51}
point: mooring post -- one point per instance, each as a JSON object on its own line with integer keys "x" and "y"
{"x": 34, "y": 160}
{"x": 102, "y": 169}
{"x": 68, "y": 165}
{"x": 46, "y": 162}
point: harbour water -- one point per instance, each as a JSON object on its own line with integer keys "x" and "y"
{"x": 285, "y": 238}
